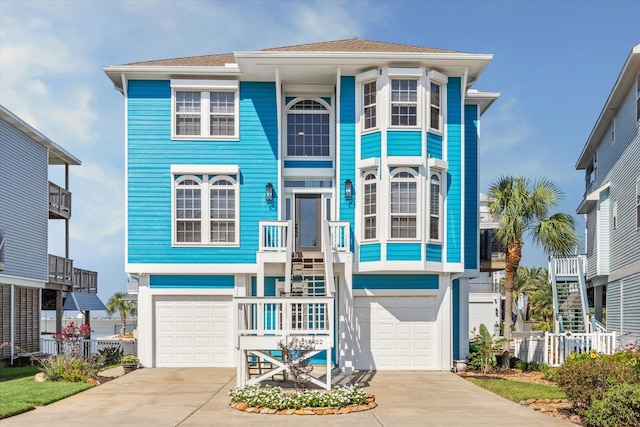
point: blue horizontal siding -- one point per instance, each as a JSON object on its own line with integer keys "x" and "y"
{"x": 471, "y": 189}
{"x": 370, "y": 252}
{"x": 434, "y": 252}
{"x": 314, "y": 164}
{"x": 192, "y": 282}
{"x": 395, "y": 281}
{"x": 151, "y": 153}
{"x": 347, "y": 148}
{"x": 406, "y": 143}
{"x": 370, "y": 145}
{"x": 434, "y": 145}
{"x": 454, "y": 171}
{"x": 403, "y": 252}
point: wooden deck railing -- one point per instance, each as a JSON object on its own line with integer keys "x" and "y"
{"x": 554, "y": 348}
{"x": 59, "y": 202}
{"x": 62, "y": 272}
{"x": 568, "y": 265}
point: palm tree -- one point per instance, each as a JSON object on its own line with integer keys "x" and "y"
{"x": 527, "y": 281}
{"x": 541, "y": 303}
{"x": 125, "y": 307}
{"x": 525, "y": 209}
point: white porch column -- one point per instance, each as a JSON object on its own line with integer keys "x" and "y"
{"x": 146, "y": 328}
{"x": 260, "y": 276}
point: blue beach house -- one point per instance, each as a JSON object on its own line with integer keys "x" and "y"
{"x": 326, "y": 191}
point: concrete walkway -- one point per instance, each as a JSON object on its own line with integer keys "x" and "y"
{"x": 198, "y": 397}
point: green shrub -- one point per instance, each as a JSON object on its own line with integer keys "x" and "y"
{"x": 66, "y": 367}
{"x": 586, "y": 377}
{"x": 130, "y": 359}
{"x": 111, "y": 354}
{"x": 541, "y": 326}
{"x": 620, "y": 407}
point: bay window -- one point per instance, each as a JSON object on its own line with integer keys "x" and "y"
{"x": 404, "y": 102}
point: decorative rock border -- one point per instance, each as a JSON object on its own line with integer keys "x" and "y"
{"x": 371, "y": 403}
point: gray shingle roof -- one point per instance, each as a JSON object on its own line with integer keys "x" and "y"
{"x": 350, "y": 45}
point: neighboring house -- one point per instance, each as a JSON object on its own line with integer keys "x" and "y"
{"x": 485, "y": 292}
{"x": 30, "y": 278}
{"x": 611, "y": 204}
{"x": 327, "y": 190}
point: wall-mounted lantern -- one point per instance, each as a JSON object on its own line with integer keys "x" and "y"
{"x": 268, "y": 195}
{"x": 348, "y": 189}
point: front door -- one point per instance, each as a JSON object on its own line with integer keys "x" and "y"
{"x": 307, "y": 228}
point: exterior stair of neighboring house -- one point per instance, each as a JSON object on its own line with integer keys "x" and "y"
{"x": 570, "y": 304}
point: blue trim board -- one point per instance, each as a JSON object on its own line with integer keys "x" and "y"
{"x": 370, "y": 145}
{"x": 456, "y": 318}
{"x": 347, "y": 149}
{"x": 315, "y": 164}
{"x": 403, "y": 251}
{"x": 191, "y": 282}
{"x": 454, "y": 173}
{"x": 395, "y": 281}
{"x": 370, "y": 252}
{"x": 471, "y": 188}
{"x": 434, "y": 145}
{"x": 404, "y": 143}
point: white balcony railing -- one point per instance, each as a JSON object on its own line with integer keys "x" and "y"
{"x": 339, "y": 233}
{"x": 273, "y": 236}
{"x": 89, "y": 347}
{"x": 278, "y": 317}
{"x": 568, "y": 265}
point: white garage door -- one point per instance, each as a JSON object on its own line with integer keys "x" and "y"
{"x": 395, "y": 332}
{"x": 193, "y": 331}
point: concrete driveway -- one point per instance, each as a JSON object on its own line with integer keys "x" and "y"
{"x": 198, "y": 397}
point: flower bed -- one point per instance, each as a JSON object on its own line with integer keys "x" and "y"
{"x": 273, "y": 400}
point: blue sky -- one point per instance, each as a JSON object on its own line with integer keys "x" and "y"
{"x": 555, "y": 63}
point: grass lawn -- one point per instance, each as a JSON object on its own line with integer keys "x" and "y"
{"x": 517, "y": 390}
{"x": 23, "y": 394}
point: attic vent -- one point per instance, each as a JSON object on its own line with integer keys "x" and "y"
{"x": 1, "y": 250}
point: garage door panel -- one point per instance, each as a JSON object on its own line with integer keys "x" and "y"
{"x": 395, "y": 332}
{"x": 194, "y": 331}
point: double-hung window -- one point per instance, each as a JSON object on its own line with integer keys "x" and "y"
{"x": 435, "y": 199}
{"x": 206, "y": 208}
{"x": 370, "y": 209}
{"x": 205, "y": 109}
{"x": 369, "y": 104}
{"x": 436, "y": 102}
{"x": 404, "y": 102}
{"x": 404, "y": 204}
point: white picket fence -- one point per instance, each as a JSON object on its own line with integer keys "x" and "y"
{"x": 89, "y": 347}
{"x": 553, "y": 349}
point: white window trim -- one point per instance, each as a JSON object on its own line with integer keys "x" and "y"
{"x": 332, "y": 142}
{"x": 208, "y": 172}
{"x": 376, "y": 105}
{"x": 440, "y": 175}
{"x": 205, "y": 87}
{"x": 365, "y": 173}
{"x": 418, "y": 102}
{"x": 441, "y": 80}
{"x": 418, "y": 214}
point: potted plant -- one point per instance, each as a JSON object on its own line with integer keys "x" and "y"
{"x": 130, "y": 363}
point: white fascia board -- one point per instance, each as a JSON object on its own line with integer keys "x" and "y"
{"x": 212, "y": 269}
{"x": 595, "y": 194}
{"x": 404, "y": 160}
{"x": 437, "y": 164}
{"x": 438, "y": 77}
{"x": 204, "y": 84}
{"x": 208, "y": 169}
{"x": 405, "y": 71}
{"x": 370, "y": 163}
{"x": 368, "y": 75}
{"x": 22, "y": 281}
{"x": 483, "y": 99}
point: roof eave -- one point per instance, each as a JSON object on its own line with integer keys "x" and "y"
{"x": 115, "y": 72}
{"x": 483, "y": 99}
{"x": 626, "y": 77}
{"x": 57, "y": 154}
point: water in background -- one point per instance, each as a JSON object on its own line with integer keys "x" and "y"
{"x": 100, "y": 328}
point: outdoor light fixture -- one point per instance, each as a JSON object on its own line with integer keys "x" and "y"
{"x": 269, "y": 193}
{"x": 348, "y": 189}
